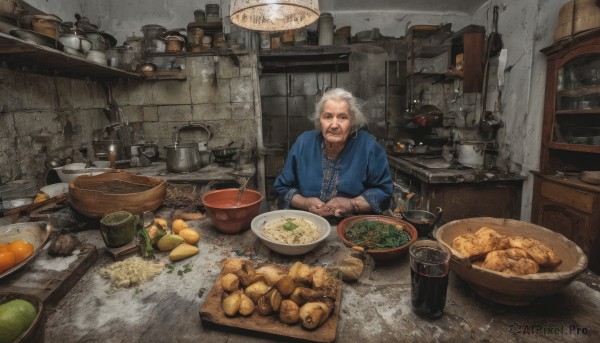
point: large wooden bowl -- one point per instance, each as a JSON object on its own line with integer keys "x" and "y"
{"x": 512, "y": 289}
{"x": 378, "y": 255}
{"x": 98, "y": 195}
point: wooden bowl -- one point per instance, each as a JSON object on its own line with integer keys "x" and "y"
{"x": 227, "y": 216}
{"x": 506, "y": 289}
{"x": 36, "y": 331}
{"x": 379, "y": 255}
{"x": 98, "y": 195}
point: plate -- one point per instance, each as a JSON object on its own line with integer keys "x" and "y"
{"x": 36, "y": 233}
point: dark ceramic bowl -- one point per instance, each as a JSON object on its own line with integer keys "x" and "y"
{"x": 379, "y": 255}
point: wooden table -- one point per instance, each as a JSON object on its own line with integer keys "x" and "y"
{"x": 376, "y": 308}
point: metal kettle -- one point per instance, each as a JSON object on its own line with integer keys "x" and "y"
{"x": 184, "y": 157}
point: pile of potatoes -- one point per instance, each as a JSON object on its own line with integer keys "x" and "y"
{"x": 302, "y": 294}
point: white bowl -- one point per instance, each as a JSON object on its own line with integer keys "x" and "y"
{"x": 290, "y": 249}
{"x": 80, "y": 167}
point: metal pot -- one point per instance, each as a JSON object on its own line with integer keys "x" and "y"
{"x": 183, "y": 157}
{"x": 9, "y": 9}
{"x": 471, "y": 153}
{"x": 186, "y": 157}
{"x": 98, "y": 41}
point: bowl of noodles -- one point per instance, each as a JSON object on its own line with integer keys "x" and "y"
{"x": 290, "y": 232}
{"x": 384, "y": 238}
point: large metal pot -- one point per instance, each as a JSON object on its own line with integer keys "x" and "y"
{"x": 471, "y": 153}
{"x": 186, "y": 157}
{"x": 183, "y": 157}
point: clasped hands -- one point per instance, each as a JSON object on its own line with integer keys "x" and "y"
{"x": 338, "y": 207}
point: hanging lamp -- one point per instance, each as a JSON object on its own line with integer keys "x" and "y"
{"x": 273, "y": 15}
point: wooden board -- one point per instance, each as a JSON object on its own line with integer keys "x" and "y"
{"x": 46, "y": 279}
{"x": 211, "y": 313}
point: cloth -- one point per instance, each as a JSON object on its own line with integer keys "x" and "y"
{"x": 360, "y": 169}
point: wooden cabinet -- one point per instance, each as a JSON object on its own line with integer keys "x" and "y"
{"x": 571, "y": 144}
{"x": 566, "y": 205}
{"x": 433, "y": 53}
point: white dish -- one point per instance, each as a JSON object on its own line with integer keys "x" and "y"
{"x": 64, "y": 177}
{"x": 290, "y": 249}
{"x": 55, "y": 189}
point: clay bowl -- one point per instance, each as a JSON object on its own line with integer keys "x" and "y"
{"x": 511, "y": 289}
{"x": 98, "y": 195}
{"x": 36, "y": 330}
{"x": 36, "y": 233}
{"x": 228, "y": 216}
{"x": 378, "y": 255}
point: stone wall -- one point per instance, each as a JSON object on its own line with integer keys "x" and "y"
{"x": 44, "y": 116}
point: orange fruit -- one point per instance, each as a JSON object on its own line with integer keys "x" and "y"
{"x": 3, "y": 246}
{"x": 7, "y": 260}
{"x": 21, "y": 249}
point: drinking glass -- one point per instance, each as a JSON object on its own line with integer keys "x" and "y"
{"x": 429, "y": 267}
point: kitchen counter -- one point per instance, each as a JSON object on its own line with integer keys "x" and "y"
{"x": 375, "y": 308}
{"x": 461, "y": 193}
{"x": 206, "y": 174}
{"x": 434, "y": 169}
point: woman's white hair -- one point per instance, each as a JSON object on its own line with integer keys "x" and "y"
{"x": 339, "y": 94}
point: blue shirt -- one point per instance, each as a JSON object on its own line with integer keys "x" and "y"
{"x": 360, "y": 169}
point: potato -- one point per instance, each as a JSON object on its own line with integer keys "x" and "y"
{"x": 263, "y": 305}
{"x": 275, "y": 299}
{"x": 320, "y": 277}
{"x": 351, "y": 268}
{"x": 289, "y": 312}
{"x": 232, "y": 265}
{"x": 246, "y": 273}
{"x": 230, "y": 282}
{"x": 256, "y": 290}
{"x": 313, "y": 314}
{"x": 272, "y": 274}
{"x": 246, "y": 305}
{"x": 302, "y": 295}
{"x": 293, "y": 272}
{"x": 231, "y": 304}
{"x": 285, "y": 285}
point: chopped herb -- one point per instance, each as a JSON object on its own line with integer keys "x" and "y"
{"x": 137, "y": 290}
{"x": 371, "y": 234}
{"x": 201, "y": 292}
{"x": 187, "y": 268}
{"x": 180, "y": 273}
{"x": 239, "y": 252}
{"x": 170, "y": 268}
{"x": 289, "y": 225}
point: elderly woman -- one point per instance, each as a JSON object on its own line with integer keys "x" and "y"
{"x": 338, "y": 169}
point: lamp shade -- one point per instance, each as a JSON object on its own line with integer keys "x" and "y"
{"x": 273, "y": 15}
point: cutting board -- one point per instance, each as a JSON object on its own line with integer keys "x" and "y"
{"x": 212, "y": 314}
{"x": 51, "y": 278}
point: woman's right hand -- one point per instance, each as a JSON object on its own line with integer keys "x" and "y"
{"x": 313, "y": 205}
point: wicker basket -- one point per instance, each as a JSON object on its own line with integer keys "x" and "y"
{"x": 98, "y": 195}
{"x": 511, "y": 289}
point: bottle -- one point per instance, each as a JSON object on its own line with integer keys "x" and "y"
{"x": 326, "y": 29}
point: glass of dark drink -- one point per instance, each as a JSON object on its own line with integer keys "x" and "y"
{"x": 429, "y": 267}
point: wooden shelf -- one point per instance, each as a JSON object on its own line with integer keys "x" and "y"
{"x": 574, "y": 147}
{"x": 38, "y": 59}
{"x": 579, "y": 112}
{"x": 305, "y": 59}
{"x": 579, "y": 91}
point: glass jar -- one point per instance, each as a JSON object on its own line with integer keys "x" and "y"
{"x": 212, "y": 13}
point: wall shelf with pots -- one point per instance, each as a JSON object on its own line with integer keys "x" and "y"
{"x": 17, "y": 53}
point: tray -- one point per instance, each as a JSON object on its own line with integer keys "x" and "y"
{"x": 212, "y": 315}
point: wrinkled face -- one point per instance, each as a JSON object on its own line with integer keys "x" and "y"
{"x": 335, "y": 121}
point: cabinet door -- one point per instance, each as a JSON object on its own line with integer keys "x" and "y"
{"x": 563, "y": 220}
